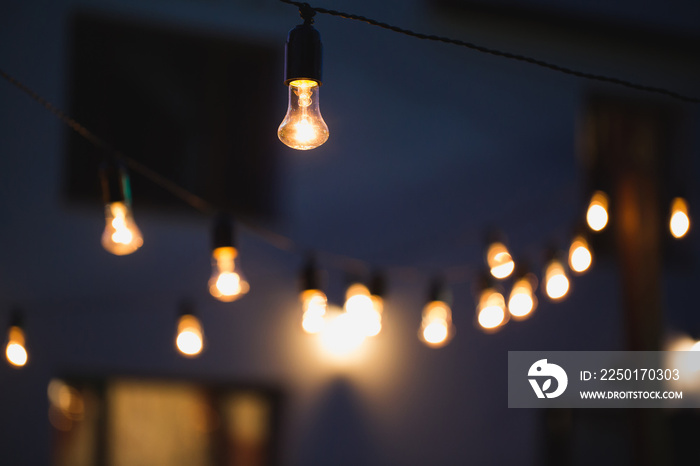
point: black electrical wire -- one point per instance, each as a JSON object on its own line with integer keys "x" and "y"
{"x": 305, "y": 7}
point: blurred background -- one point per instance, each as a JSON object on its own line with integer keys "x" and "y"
{"x": 432, "y": 149}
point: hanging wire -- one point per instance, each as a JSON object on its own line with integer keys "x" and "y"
{"x": 304, "y": 7}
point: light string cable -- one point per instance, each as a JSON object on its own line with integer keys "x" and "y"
{"x": 281, "y": 242}
{"x": 305, "y": 7}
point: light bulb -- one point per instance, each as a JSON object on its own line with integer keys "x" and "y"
{"x": 499, "y": 260}
{"x": 226, "y": 283}
{"x": 303, "y": 127}
{"x": 121, "y": 235}
{"x": 314, "y": 305}
{"x": 364, "y": 308}
{"x": 491, "y": 309}
{"x": 580, "y": 257}
{"x": 597, "y": 214}
{"x": 522, "y": 300}
{"x": 556, "y": 281}
{"x": 15, "y": 351}
{"x": 190, "y": 338}
{"x": 436, "y": 328}
{"x": 680, "y": 222}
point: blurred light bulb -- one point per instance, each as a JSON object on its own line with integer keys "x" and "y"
{"x": 597, "y": 214}
{"x": 491, "y": 310}
{"x": 121, "y": 235}
{"x": 580, "y": 257}
{"x": 15, "y": 350}
{"x": 436, "y": 328}
{"x": 499, "y": 260}
{"x": 314, "y": 305}
{"x": 303, "y": 127}
{"x": 556, "y": 281}
{"x": 364, "y": 308}
{"x": 190, "y": 338}
{"x": 522, "y": 300}
{"x": 680, "y": 222}
{"x": 226, "y": 283}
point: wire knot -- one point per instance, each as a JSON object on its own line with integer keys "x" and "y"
{"x": 307, "y": 13}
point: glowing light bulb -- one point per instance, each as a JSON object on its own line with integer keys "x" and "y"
{"x": 364, "y": 308}
{"x": 680, "y": 222}
{"x": 597, "y": 214}
{"x": 491, "y": 310}
{"x": 342, "y": 336}
{"x": 436, "y": 328}
{"x": 580, "y": 257}
{"x": 556, "y": 281}
{"x": 303, "y": 127}
{"x": 121, "y": 235}
{"x": 190, "y": 338}
{"x": 15, "y": 351}
{"x": 226, "y": 283}
{"x": 522, "y": 300}
{"x": 314, "y": 305}
{"x": 499, "y": 260}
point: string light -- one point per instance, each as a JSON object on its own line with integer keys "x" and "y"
{"x": 121, "y": 236}
{"x": 556, "y": 281}
{"x": 303, "y": 127}
{"x": 679, "y": 224}
{"x": 499, "y": 260}
{"x": 15, "y": 349}
{"x": 522, "y": 301}
{"x": 491, "y": 307}
{"x": 580, "y": 256}
{"x": 227, "y": 283}
{"x": 362, "y": 309}
{"x": 314, "y": 301}
{"x": 597, "y": 213}
{"x": 436, "y": 328}
{"x": 190, "y": 336}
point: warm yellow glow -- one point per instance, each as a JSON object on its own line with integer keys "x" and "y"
{"x": 499, "y": 260}
{"x": 680, "y": 221}
{"x": 314, "y": 305}
{"x": 190, "y": 339}
{"x": 365, "y": 309}
{"x": 580, "y": 257}
{"x": 556, "y": 281}
{"x": 522, "y": 300}
{"x": 226, "y": 282}
{"x": 436, "y": 329}
{"x": 696, "y": 346}
{"x": 303, "y": 127}
{"x": 597, "y": 214}
{"x": 342, "y": 335}
{"x": 121, "y": 235}
{"x": 15, "y": 351}
{"x": 491, "y": 311}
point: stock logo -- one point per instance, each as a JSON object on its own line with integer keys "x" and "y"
{"x": 545, "y": 372}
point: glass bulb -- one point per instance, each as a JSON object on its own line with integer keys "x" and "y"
{"x": 580, "y": 257}
{"x": 121, "y": 235}
{"x": 436, "y": 329}
{"x": 15, "y": 350}
{"x": 556, "y": 281}
{"x": 303, "y": 127}
{"x": 597, "y": 214}
{"x": 364, "y": 308}
{"x": 226, "y": 283}
{"x": 491, "y": 310}
{"x": 499, "y": 260}
{"x": 680, "y": 222}
{"x": 522, "y": 299}
{"x": 190, "y": 338}
{"x": 314, "y": 305}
